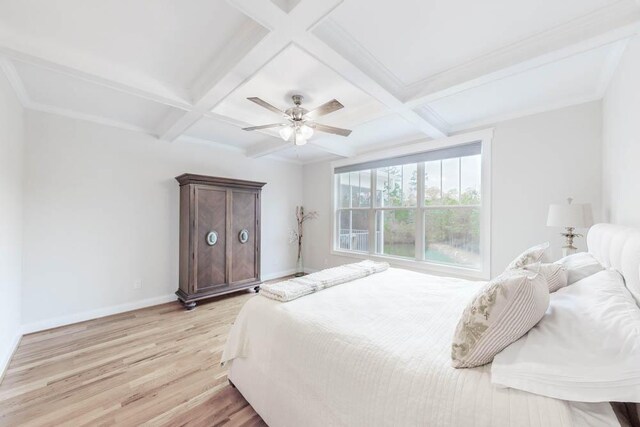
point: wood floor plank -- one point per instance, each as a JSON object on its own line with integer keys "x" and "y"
{"x": 157, "y": 366}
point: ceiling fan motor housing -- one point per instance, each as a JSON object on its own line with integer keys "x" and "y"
{"x": 296, "y": 113}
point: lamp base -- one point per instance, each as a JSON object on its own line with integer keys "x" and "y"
{"x": 569, "y": 235}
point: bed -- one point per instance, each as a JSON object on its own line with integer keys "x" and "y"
{"x": 376, "y": 352}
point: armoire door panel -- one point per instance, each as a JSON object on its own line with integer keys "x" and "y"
{"x": 243, "y": 246}
{"x": 210, "y": 234}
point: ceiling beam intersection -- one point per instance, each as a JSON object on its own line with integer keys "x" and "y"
{"x": 283, "y": 29}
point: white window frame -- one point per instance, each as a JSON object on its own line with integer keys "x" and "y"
{"x": 485, "y": 137}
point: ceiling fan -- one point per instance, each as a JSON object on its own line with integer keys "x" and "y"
{"x": 301, "y": 122}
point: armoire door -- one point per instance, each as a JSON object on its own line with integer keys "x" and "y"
{"x": 210, "y": 232}
{"x": 243, "y": 237}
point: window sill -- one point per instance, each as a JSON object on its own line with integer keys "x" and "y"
{"x": 421, "y": 266}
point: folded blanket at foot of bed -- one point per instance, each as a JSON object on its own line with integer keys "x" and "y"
{"x": 300, "y": 286}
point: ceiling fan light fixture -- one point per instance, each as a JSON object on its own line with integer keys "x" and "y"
{"x": 285, "y": 132}
{"x": 298, "y": 139}
{"x": 306, "y": 131}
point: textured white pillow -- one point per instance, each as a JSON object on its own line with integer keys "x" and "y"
{"x": 586, "y": 348}
{"x": 554, "y": 274}
{"x": 579, "y": 266}
{"x": 530, "y": 256}
{"x": 504, "y": 310}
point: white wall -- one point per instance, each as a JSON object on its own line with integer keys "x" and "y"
{"x": 537, "y": 160}
{"x": 102, "y": 210}
{"x": 621, "y": 141}
{"x": 11, "y": 161}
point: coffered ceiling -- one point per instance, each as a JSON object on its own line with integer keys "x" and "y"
{"x": 404, "y": 70}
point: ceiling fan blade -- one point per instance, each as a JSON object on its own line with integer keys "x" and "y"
{"x": 326, "y": 108}
{"x": 331, "y": 129}
{"x": 272, "y": 125}
{"x": 266, "y": 105}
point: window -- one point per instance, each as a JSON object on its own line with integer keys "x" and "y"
{"x": 423, "y": 207}
{"x": 452, "y": 205}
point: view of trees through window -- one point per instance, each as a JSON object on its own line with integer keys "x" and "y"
{"x": 428, "y": 211}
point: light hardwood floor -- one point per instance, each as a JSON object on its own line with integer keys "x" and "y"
{"x": 154, "y": 366}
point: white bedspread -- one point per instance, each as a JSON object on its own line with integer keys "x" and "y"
{"x": 376, "y": 352}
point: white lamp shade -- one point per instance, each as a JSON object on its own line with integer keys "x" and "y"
{"x": 570, "y": 215}
{"x": 306, "y": 131}
{"x": 285, "y": 132}
{"x": 298, "y": 139}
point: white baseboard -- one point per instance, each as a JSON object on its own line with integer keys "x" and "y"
{"x": 42, "y": 325}
{"x": 285, "y": 273}
{"x": 7, "y": 354}
{"x": 94, "y": 314}
{"x": 277, "y": 275}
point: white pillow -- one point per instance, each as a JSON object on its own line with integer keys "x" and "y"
{"x": 504, "y": 310}
{"x": 586, "y": 348}
{"x": 554, "y": 274}
{"x": 530, "y": 256}
{"x": 579, "y": 266}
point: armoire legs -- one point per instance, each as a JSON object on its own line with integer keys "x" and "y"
{"x": 189, "y": 305}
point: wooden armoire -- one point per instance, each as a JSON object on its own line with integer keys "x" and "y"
{"x": 219, "y": 236}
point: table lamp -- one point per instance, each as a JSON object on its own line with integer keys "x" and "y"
{"x": 570, "y": 216}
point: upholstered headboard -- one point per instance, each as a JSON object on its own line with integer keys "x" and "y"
{"x": 618, "y": 247}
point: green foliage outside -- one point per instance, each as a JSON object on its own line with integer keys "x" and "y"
{"x": 456, "y": 228}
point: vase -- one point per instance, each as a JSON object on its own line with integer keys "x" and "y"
{"x": 299, "y": 267}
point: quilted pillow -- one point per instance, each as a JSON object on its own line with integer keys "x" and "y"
{"x": 503, "y": 311}
{"x": 555, "y": 274}
{"x": 530, "y": 256}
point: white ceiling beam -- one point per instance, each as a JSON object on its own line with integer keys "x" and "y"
{"x": 359, "y": 78}
{"x": 265, "y": 148}
{"x": 91, "y": 70}
{"x": 525, "y": 112}
{"x": 242, "y": 41}
{"x": 606, "y": 74}
{"x": 240, "y": 124}
{"x": 16, "y": 83}
{"x": 208, "y": 143}
{"x": 265, "y": 13}
{"x": 611, "y": 65}
{"x": 52, "y": 109}
{"x": 618, "y": 22}
{"x": 284, "y": 28}
{"x": 337, "y": 148}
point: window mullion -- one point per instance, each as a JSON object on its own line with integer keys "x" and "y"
{"x": 419, "y": 215}
{"x": 372, "y": 212}
{"x": 459, "y": 179}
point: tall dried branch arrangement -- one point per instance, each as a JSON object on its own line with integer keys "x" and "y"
{"x": 301, "y": 217}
